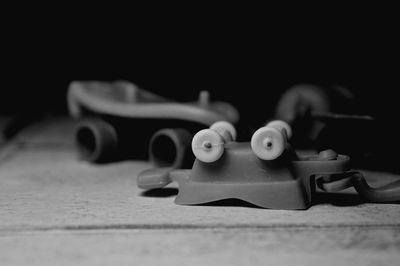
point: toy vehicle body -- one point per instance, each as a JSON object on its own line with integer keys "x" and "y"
{"x": 128, "y": 122}
{"x": 282, "y": 181}
{"x": 332, "y": 117}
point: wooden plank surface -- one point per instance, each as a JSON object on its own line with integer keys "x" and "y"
{"x": 333, "y": 246}
{"x": 54, "y": 207}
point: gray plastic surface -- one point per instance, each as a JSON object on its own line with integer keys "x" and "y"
{"x": 284, "y": 183}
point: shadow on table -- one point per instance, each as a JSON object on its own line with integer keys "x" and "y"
{"x": 230, "y": 203}
{"x": 169, "y": 192}
{"x": 338, "y": 199}
{"x": 335, "y": 199}
{"x": 160, "y": 192}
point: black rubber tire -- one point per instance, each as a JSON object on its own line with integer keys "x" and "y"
{"x": 170, "y": 148}
{"x": 96, "y": 140}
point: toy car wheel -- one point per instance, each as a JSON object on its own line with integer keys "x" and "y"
{"x": 268, "y": 143}
{"x": 167, "y": 148}
{"x": 280, "y": 124}
{"x": 225, "y": 129}
{"x": 207, "y": 145}
{"x": 96, "y": 140}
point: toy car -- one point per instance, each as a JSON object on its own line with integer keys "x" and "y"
{"x": 266, "y": 171}
{"x": 122, "y": 121}
{"x": 332, "y": 117}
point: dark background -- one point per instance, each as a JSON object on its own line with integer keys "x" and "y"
{"x": 248, "y": 61}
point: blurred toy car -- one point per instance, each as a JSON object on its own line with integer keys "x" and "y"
{"x": 265, "y": 171}
{"x": 332, "y": 117}
{"x": 121, "y": 121}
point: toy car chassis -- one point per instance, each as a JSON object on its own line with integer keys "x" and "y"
{"x": 121, "y": 121}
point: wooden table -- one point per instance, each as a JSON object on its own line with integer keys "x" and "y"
{"x": 58, "y": 210}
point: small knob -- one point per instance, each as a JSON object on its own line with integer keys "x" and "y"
{"x": 327, "y": 155}
{"x": 204, "y": 98}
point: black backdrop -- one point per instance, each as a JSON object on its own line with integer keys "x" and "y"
{"x": 237, "y": 62}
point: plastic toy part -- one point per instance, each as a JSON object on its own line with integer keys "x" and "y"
{"x": 281, "y": 125}
{"x": 97, "y": 140}
{"x": 225, "y": 129}
{"x": 269, "y": 142}
{"x": 208, "y": 145}
{"x": 124, "y": 99}
{"x": 318, "y": 115}
{"x": 386, "y": 193}
{"x": 287, "y": 182}
{"x": 126, "y": 118}
{"x": 170, "y": 148}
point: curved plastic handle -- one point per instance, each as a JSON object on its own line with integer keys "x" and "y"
{"x": 337, "y": 182}
{"x": 387, "y": 193}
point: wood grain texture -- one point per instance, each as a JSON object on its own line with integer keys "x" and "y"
{"x": 55, "y": 208}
